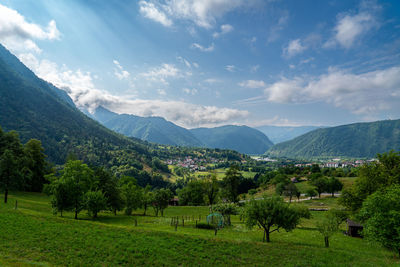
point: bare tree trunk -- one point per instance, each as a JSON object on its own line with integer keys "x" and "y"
{"x": 326, "y": 242}
{"x": 264, "y": 235}
{"x": 6, "y": 195}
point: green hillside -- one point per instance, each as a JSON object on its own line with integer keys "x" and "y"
{"x": 240, "y": 138}
{"x": 152, "y": 129}
{"x": 33, "y": 236}
{"x": 354, "y": 140}
{"x": 36, "y": 109}
{"x": 279, "y": 134}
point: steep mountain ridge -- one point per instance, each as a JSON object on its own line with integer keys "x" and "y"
{"x": 240, "y": 138}
{"x": 37, "y": 109}
{"x": 353, "y": 140}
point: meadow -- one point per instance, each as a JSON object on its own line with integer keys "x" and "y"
{"x": 32, "y": 236}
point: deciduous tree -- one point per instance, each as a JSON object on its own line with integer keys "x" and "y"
{"x": 272, "y": 212}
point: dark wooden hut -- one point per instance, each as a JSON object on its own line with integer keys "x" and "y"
{"x": 353, "y": 228}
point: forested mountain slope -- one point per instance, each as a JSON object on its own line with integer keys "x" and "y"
{"x": 240, "y": 138}
{"x": 353, "y": 140}
{"x": 37, "y": 109}
{"x": 279, "y": 134}
{"x": 152, "y": 129}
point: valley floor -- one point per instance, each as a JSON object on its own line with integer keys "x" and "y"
{"x": 32, "y": 235}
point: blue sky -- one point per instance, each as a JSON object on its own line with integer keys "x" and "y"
{"x": 214, "y": 62}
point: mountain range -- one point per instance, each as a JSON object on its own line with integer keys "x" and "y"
{"x": 37, "y": 109}
{"x": 356, "y": 140}
{"x": 279, "y": 134}
{"x": 158, "y": 130}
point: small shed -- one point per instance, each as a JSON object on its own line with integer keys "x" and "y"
{"x": 353, "y": 228}
{"x": 173, "y": 201}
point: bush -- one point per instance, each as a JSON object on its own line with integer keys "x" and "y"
{"x": 205, "y": 226}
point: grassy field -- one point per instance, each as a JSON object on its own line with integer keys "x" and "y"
{"x": 31, "y": 235}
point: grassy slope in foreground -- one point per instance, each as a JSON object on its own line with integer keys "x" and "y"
{"x": 31, "y": 235}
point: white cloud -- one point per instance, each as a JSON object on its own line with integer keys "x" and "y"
{"x": 252, "y": 84}
{"x": 81, "y": 88}
{"x": 294, "y": 47}
{"x": 350, "y": 27}
{"x": 212, "y": 80}
{"x": 161, "y": 73}
{"x": 254, "y": 68}
{"x": 364, "y": 93}
{"x": 161, "y": 92}
{"x": 275, "y": 31}
{"x": 226, "y": 28}
{"x": 192, "y": 91}
{"x": 18, "y": 35}
{"x": 203, "y": 13}
{"x": 202, "y": 48}
{"x": 119, "y": 71}
{"x": 230, "y": 68}
{"x": 150, "y": 11}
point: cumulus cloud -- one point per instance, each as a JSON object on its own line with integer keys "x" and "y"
{"x": 203, "y": 13}
{"x": 230, "y": 68}
{"x": 81, "y": 88}
{"x": 202, "y": 48}
{"x": 161, "y": 73}
{"x": 294, "y": 47}
{"x": 151, "y": 11}
{"x": 363, "y": 93}
{"x": 192, "y": 91}
{"x": 226, "y": 28}
{"x": 18, "y": 35}
{"x": 119, "y": 71}
{"x": 350, "y": 27}
{"x": 252, "y": 84}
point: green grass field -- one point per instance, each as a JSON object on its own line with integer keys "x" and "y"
{"x": 33, "y": 236}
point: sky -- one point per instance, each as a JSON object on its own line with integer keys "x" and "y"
{"x": 205, "y": 63}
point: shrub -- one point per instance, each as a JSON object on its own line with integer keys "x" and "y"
{"x": 205, "y": 226}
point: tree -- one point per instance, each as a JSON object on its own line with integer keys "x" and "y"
{"x": 315, "y": 168}
{"x": 35, "y": 162}
{"x": 320, "y": 185}
{"x": 330, "y": 224}
{"x": 372, "y": 177}
{"x": 230, "y": 183}
{"x": 298, "y": 195}
{"x": 211, "y": 188}
{"x": 148, "y": 198}
{"x": 380, "y": 214}
{"x": 333, "y": 185}
{"x": 273, "y": 212}
{"x": 290, "y": 191}
{"x": 59, "y": 189}
{"x": 10, "y": 175}
{"x": 95, "y": 201}
{"x": 192, "y": 194}
{"x": 79, "y": 178}
{"x": 108, "y": 184}
{"x": 226, "y": 210}
{"x": 133, "y": 197}
{"x": 311, "y": 193}
{"x": 161, "y": 200}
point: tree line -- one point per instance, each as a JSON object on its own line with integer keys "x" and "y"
{"x": 78, "y": 187}
{"x": 22, "y": 166}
